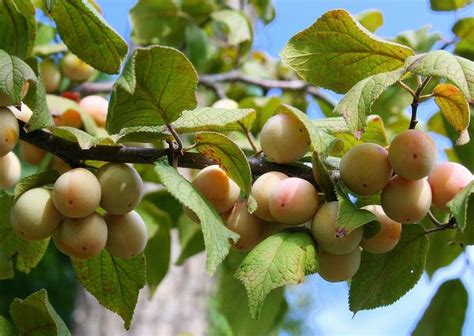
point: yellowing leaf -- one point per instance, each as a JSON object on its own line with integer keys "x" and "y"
{"x": 336, "y": 52}
{"x": 455, "y": 109}
{"x": 371, "y": 19}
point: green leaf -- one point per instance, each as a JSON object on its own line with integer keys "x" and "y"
{"x": 16, "y": 253}
{"x": 158, "y": 86}
{"x": 84, "y": 140}
{"x": 35, "y": 316}
{"x": 114, "y": 282}
{"x": 455, "y": 109}
{"x": 349, "y": 216}
{"x": 191, "y": 239}
{"x": 459, "y": 204}
{"x": 167, "y": 26}
{"x": 88, "y": 35}
{"x": 34, "y": 181}
{"x": 264, "y": 108}
{"x": 440, "y": 63}
{"x": 238, "y": 26}
{"x": 232, "y": 303}
{"x": 321, "y": 141}
{"x": 448, "y": 5}
{"x": 158, "y": 248}
{"x": 7, "y": 328}
{"x": 464, "y": 29}
{"x": 371, "y": 19}
{"x": 228, "y": 155}
{"x": 216, "y": 235}
{"x": 443, "y": 251}
{"x": 383, "y": 278}
{"x": 322, "y": 177}
{"x": 198, "y": 46}
{"x": 214, "y": 119}
{"x": 336, "y": 52}
{"x": 447, "y": 311}
{"x": 281, "y": 259}
{"x": 419, "y": 40}
{"x": 17, "y": 27}
{"x": 356, "y": 104}
{"x": 13, "y": 74}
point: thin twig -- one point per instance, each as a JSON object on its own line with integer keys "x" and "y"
{"x": 406, "y": 87}
{"x": 416, "y": 101}
{"x": 434, "y": 219}
{"x": 176, "y": 137}
{"x": 249, "y": 136}
{"x": 451, "y": 224}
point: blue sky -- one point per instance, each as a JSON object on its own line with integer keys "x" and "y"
{"x": 327, "y": 313}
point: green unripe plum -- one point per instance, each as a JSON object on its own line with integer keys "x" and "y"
{"x": 217, "y": 187}
{"x": 34, "y": 216}
{"x": 406, "y": 201}
{"x": 412, "y": 154}
{"x": 97, "y": 107}
{"x": 284, "y": 139}
{"x": 122, "y": 188}
{"x": 261, "y": 191}
{"x": 51, "y": 75}
{"x": 341, "y": 267}
{"x": 293, "y": 201}
{"x": 388, "y": 236}
{"x": 365, "y": 169}
{"x": 127, "y": 235}
{"x": 31, "y": 154}
{"x": 7, "y": 101}
{"x": 77, "y": 193}
{"x": 250, "y": 228}
{"x": 82, "y": 238}
{"x": 326, "y": 235}
{"x": 9, "y": 131}
{"x": 76, "y": 69}
{"x": 226, "y": 104}
{"x": 10, "y": 170}
{"x": 446, "y": 181}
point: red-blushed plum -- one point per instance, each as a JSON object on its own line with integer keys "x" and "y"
{"x": 97, "y": 107}
{"x": 261, "y": 191}
{"x": 388, "y": 236}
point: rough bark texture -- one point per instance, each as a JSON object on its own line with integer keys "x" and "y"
{"x": 178, "y": 306}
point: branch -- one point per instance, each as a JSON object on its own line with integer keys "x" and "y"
{"x": 70, "y": 151}
{"x": 416, "y": 101}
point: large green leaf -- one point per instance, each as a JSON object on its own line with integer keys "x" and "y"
{"x": 114, "y": 282}
{"x": 321, "y": 141}
{"x": 440, "y": 63}
{"x": 157, "y": 86}
{"x": 34, "y": 316}
{"x": 448, "y": 5}
{"x": 443, "y": 251}
{"x": 16, "y": 253}
{"x": 281, "y": 259}
{"x": 464, "y": 29}
{"x": 88, "y": 35}
{"x": 230, "y": 157}
{"x": 446, "y": 313}
{"x": 17, "y": 33}
{"x": 216, "y": 235}
{"x": 349, "y": 216}
{"x": 336, "y": 52}
{"x": 214, "y": 119}
{"x": 383, "y": 278}
{"x": 13, "y": 74}
{"x": 356, "y": 104}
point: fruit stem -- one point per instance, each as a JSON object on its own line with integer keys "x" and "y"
{"x": 249, "y": 136}
{"x": 416, "y": 101}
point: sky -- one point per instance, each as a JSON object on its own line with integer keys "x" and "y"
{"x": 326, "y": 312}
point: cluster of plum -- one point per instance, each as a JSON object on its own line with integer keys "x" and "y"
{"x": 68, "y": 212}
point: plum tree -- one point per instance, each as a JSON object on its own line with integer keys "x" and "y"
{"x": 226, "y": 104}
{"x": 406, "y": 201}
{"x": 31, "y": 154}
{"x": 261, "y": 191}
{"x": 325, "y": 234}
{"x": 338, "y": 267}
{"x": 76, "y": 69}
{"x": 9, "y": 131}
{"x": 365, "y": 169}
{"x": 412, "y": 154}
{"x": 83, "y": 237}
{"x": 127, "y": 235}
{"x": 388, "y": 236}
{"x": 97, "y": 107}
{"x": 77, "y": 193}
{"x": 217, "y": 187}
{"x": 34, "y": 216}
{"x": 10, "y": 170}
{"x": 51, "y": 75}
{"x": 122, "y": 188}
{"x": 446, "y": 180}
{"x": 250, "y": 228}
{"x": 293, "y": 201}
{"x": 284, "y": 139}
